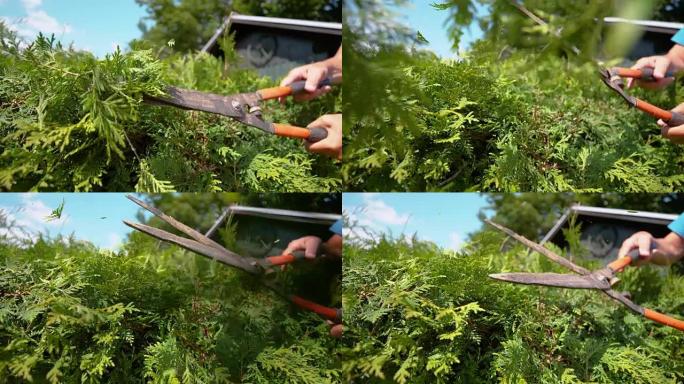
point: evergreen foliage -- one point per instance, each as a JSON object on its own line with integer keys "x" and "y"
{"x": 415, "y": 313}
{"x": 71, "y": 122}
{"x": 151, "y": 313}
{"x": 518, "y": 112}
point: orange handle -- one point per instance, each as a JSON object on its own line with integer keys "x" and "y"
{"x": 664, "y": 319}
{"x": 291, "y": 131}
{"x": 275, "y": 92}
{"x": 333, "y": 314}
{"x": 624, "y": 261}
{"x": 627, "y": 72}
{"x": 282, "y": 259}
{"x": 654, "y": 111}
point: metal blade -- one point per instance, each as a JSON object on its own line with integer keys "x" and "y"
{"x": 220, "y": 255}
{"x": 554, "y": 280}
{"x": 231, "y": 106}
{"x": 614, "y": 83}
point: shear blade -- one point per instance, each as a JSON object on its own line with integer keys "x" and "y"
{"x": 200, "y": 101}
{"x": 553, "y": 280}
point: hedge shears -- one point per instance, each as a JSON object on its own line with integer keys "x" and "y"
{"x": 207, "y": 247}
{"x": 601, "y": 280}
{"x": 245, "y": 107}
{"x": 613, "y": 79}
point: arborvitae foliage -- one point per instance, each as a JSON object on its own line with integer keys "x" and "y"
{"x": 415, "y": 313}
{"x": 71, "y": 122}
{"x": 518, "y": 123}
{"x": 70, "y": 313}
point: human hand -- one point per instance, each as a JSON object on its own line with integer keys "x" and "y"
{"x": 674, "y": 134}
{"x": 308, "y": 244}
{"x": 672, "y": 62}
{"x": 331, "y": 145}
{"x": 644, "y": 242}
{"x": 313, "y": 74}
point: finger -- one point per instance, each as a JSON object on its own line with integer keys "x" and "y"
{"x": 645, "y": 62}
{"x": 309, "y": 96}
{"x": 661, "y": 83}
{"x": 311, "y": 249}
{"x": 676, "y": 134}
{"x": 293, "y": 246}
{"x": 630, "y": 83}
{"x": 627, "y": 246}
{"x": 293, "y": 75}
{"x": 313, "y": 77}
{"x": 321, "y": 146}
{"x": 644, "y": 243}
{"x": 662, "y": 63}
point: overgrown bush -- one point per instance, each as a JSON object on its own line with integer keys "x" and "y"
{"x": 415, "y": 313}
{"x": 71, "y": 313}
{"x": 71, "y": 122}
{"x": 501, "y": 121}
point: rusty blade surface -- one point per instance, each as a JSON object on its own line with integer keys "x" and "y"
{"x": 221, "y": 255}
{"x": 232, "y": 106}
{"x": 615, "y": 83}
{"x": 554, "y": 280}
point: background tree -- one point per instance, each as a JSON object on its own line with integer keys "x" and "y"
{"x": 190, "y": 23}
{"x": 533, "y": 214}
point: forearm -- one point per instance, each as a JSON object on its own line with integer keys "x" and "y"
{"x": 676, "y": 55}
{"x": 669, "y": 250}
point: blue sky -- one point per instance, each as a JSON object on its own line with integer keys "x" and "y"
{"x": 82, "y": 215}
{"x": 420, "y": 16}
{"x": 443, "y": 218}
{"x": 94, "y": 25}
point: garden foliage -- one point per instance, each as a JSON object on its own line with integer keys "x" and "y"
{"x": 72, "y": 122}
{"x": 151, "y": 313}
{"x": 498, "y": 121}
{"x": 521, "y": 110}
{"x": 415, "y": 313}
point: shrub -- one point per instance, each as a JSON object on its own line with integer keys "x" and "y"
{"x": 415, "y": 313}
{"x": 501, "y": 121}
{"x": 71, "y": 313}
{"x": 71, "y": 122}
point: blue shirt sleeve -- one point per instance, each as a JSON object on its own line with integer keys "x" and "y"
{"x": 679, "y": 37}
{"x": 677, "y": 226}
{"x": 337, "y": 227}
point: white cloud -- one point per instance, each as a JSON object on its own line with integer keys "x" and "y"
{"x": 114, "y": 241}
{"x": 377, "y": 210}
{"x": 456, "y": 241}
{"x": 32, "y": 4}
{"x": 36, "y": 20}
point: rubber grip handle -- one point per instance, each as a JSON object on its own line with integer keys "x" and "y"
{"x": 295, "y": 87}
{"x": 624, "y": 261}
{"x": 664, "y": 319}
{"x": 332, "y": 314}
{"x": 317, "y": 134}
{"x": 676, "y": 120}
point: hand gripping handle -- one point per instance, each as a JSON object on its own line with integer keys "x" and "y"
{"x": 621, "y": 263}
{"x": 285, "y": 259}
{"x": 312, "y": 135}
{"x": 296, "y": 87}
